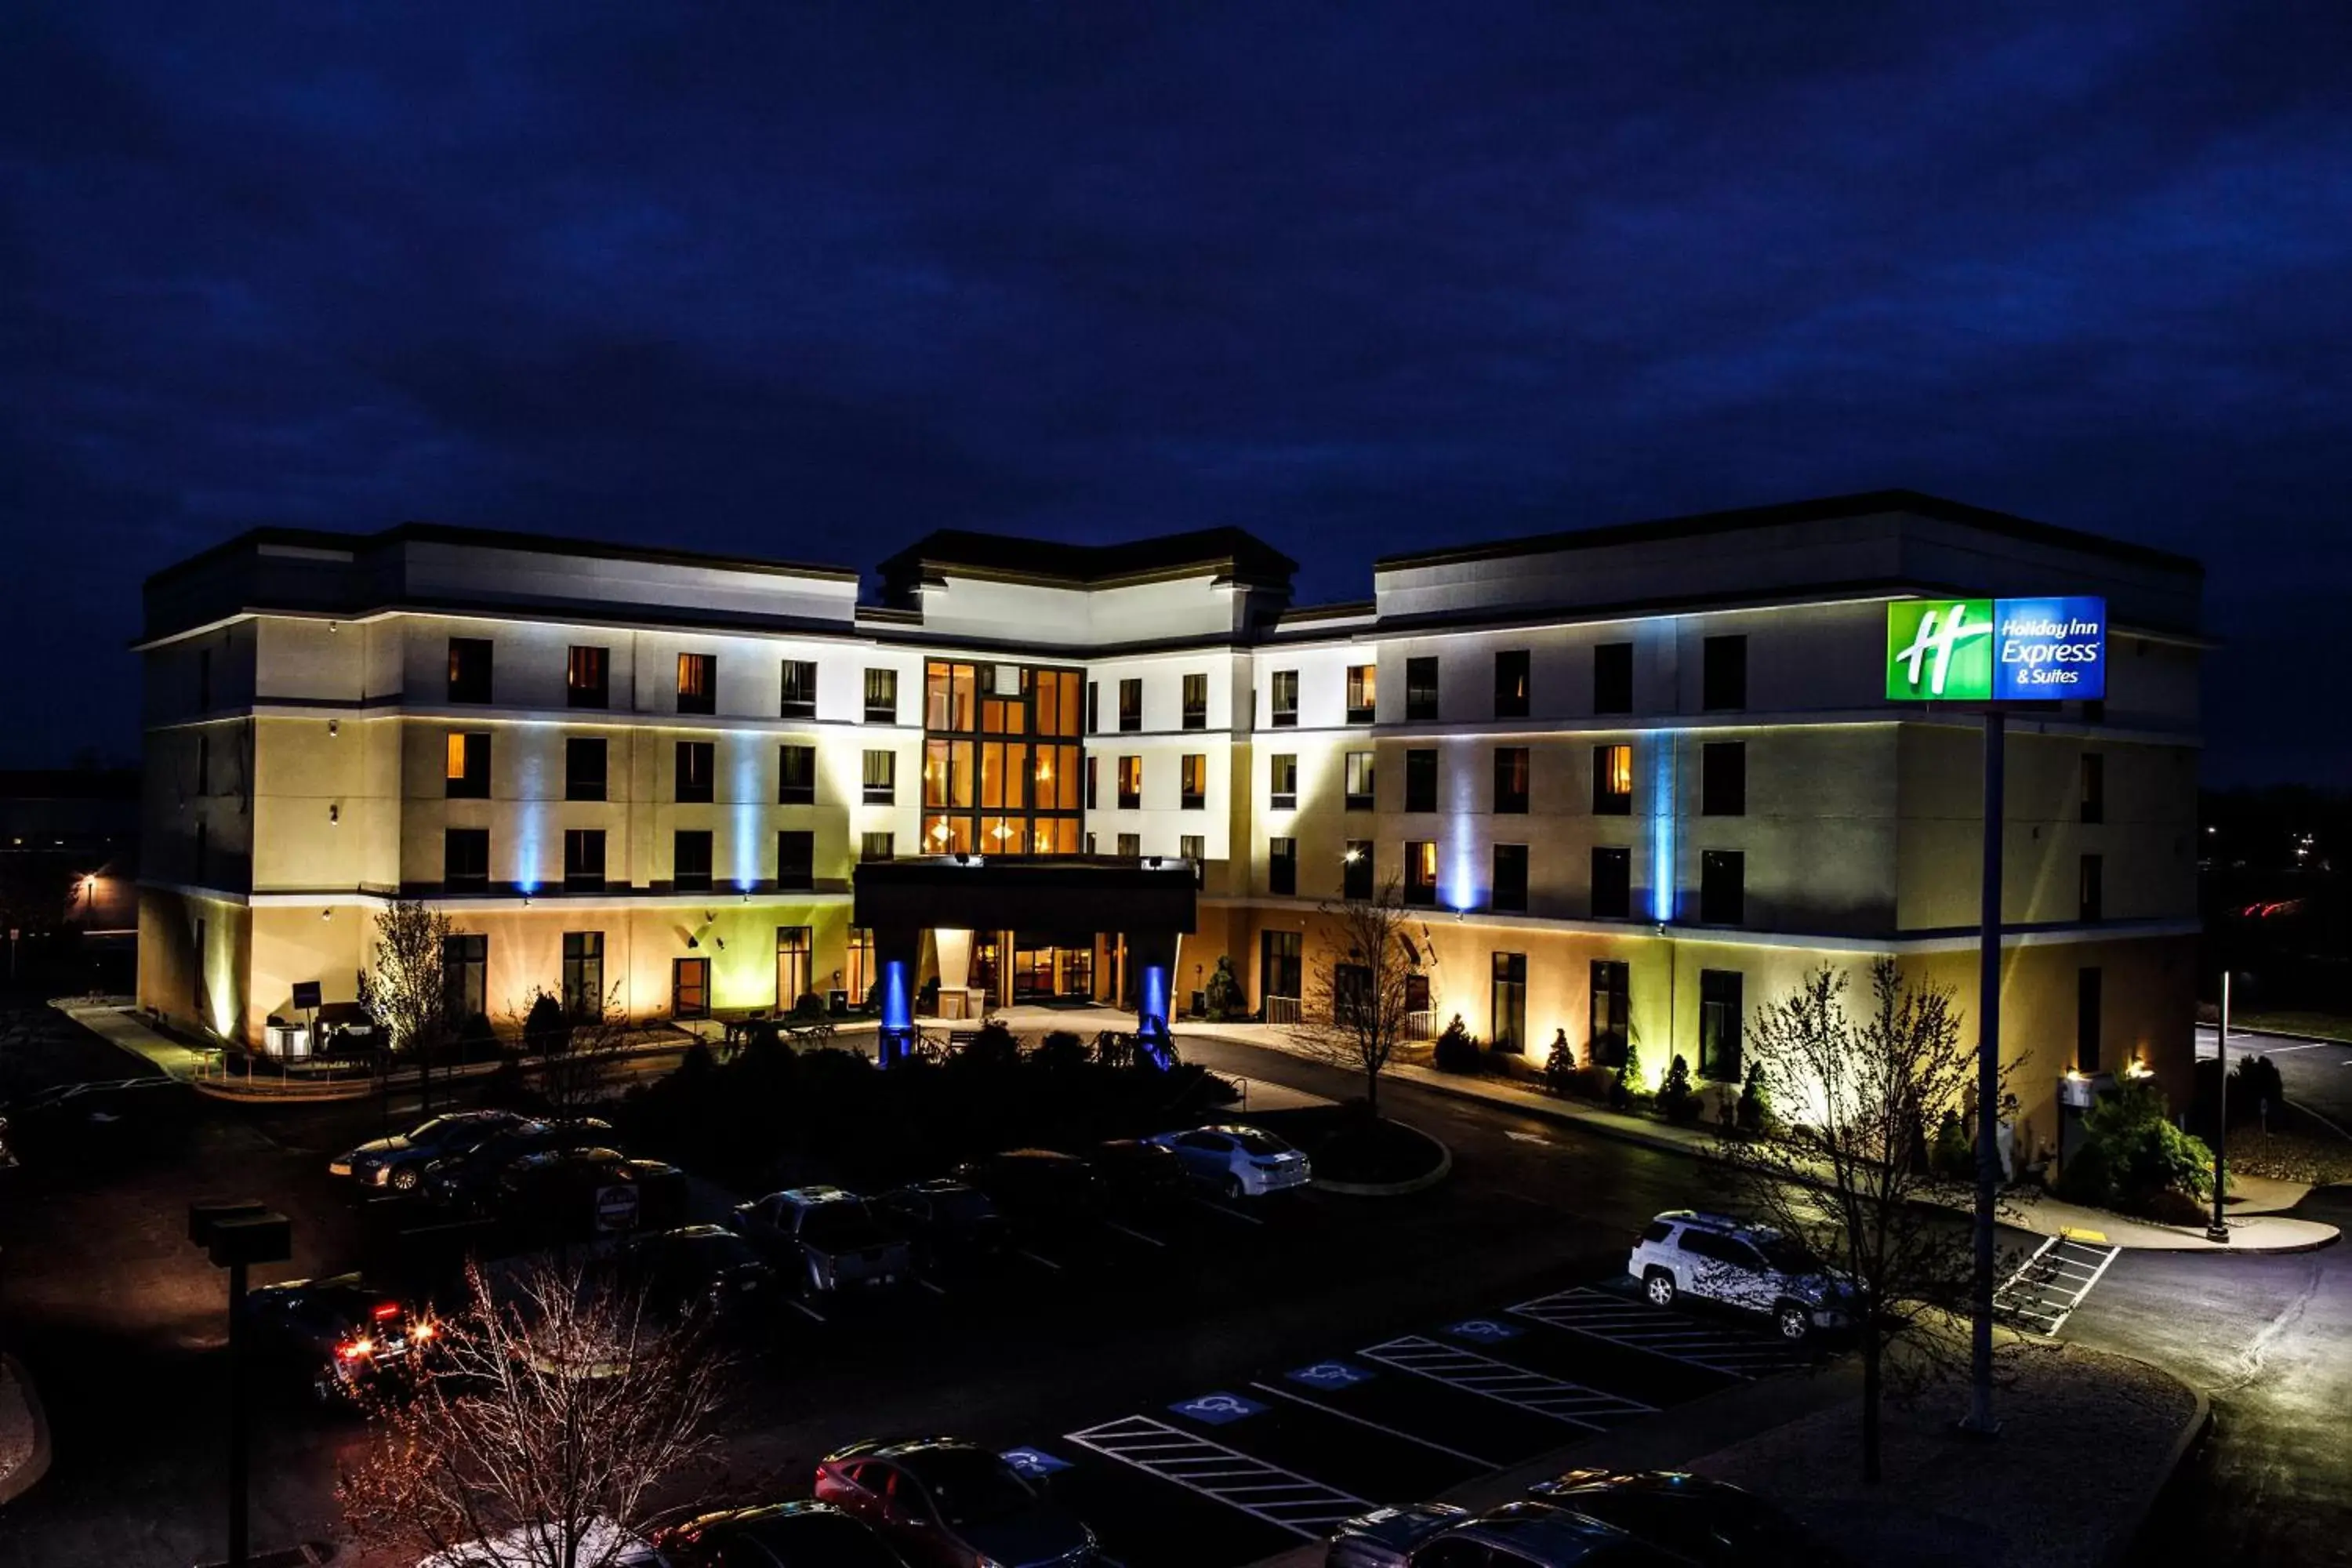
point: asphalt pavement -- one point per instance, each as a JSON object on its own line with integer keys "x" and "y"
{"x": 2315, "y": 1074}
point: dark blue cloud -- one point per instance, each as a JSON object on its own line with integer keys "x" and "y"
{"x": 810, "y": 279}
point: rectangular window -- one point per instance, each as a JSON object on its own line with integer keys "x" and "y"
{"x": 2094, "y": 893}
{"x": 588, "y": 677}
{"x": 1285, "y": 699}
{"x": 583, "y": 974}
{"x": 689, "y": 859}
{"x": 1723, "y": 682}
{"x": 1718, "y": 1025}
{"x": 881, "y": 697}
{"x": 690, "y": 987}
{"x": 1359, "y": 795}
{"x": 583, "y": 859}
{"x": 464, "y": 976}
{"x": 1613, "y": 677}
{"x": 1514, "y": 683}
{"x": 877, "y": 846}
{"x": 1363, "y": 684}
{"x": 1130, "y": 706}
{"x": 1130, "y": 784}
{"x": 1613, "y": 882}
{"x": 1130, "y": 846}
{"x": 1094, "y": 782}
{"x": 465, "y": 859}
{"x": 1613, "y": 1011}
{"x": 468, "y": 767}
{"x": 795, "y": 964}
{"x": 1280, "y": 971}
{"x": 1421, "y": 780}
{"x": 861, "y": 964}
{"x": 1722, "y": 888}
{"x": 881, "y": 778}
{"x": 1511, "y": 878}
{"x": 1356, "y": 869}
{"x": 1194, "y": 847}
{"x": 1196, "y": 702}
{"x": 1613, "y": 781}
{"x": 1094, "y": 707}
{"x": 1420, "y": 690}
{"x": 1193, "y": 784}
{"x": 470, "y": 670}
{"x": 2087, "y": 986}
{"x": 205, "y": 764}
{"x": 1507, "y": 1003}
{"x": 584, "y": 767}
{"x": 799, "y": 699}
{"x": 205, "y": 697}
{"x": 796, "y": 859}
{"x": 795, "y": 775}
{"x": 1282, "y": 868}
{"x": 2095, "y": 787}
{"x": 1511, "y": 770}
{"x": 697, "y": 766}
{"x": 1723, "y": 779}
{"x": 1283, "y": 781}
{"x": 1421, "y": 873}
{"x": 950, "y": 695}
{"x": 697, "y": 683}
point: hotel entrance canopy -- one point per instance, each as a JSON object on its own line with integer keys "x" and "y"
{"x": 1152, "y": 894}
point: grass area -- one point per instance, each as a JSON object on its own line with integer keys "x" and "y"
{"x": 2322, "y": 1025}
{"x": 2319, "y": 1158}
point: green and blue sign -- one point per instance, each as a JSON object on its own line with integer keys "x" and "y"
{"x": 1996, "y": 650}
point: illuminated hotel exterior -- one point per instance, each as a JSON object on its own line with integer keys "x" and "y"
{"x": 1636, "y": 779}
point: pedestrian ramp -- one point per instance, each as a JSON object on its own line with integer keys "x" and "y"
{"x": 1282, "y": 1498}
{"x": 2045, "y": 1291}
{"x": 1636, "y": 1324}
{"x": 1504, "y": 1383}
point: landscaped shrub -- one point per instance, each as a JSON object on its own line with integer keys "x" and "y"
{"x": 991, "y": 1046}
{"x": 1059, "y": 1051}
{"x": 2256, "y": 1083}
{"x": 808, "y": 1005}
{"x": 1222, "y": 997}
{"x": 1625, "y": 1087}
{"x": 1677, "y": 1098}
{"x": 1559, "y": 1065}
{"x": 1456, "y": 1049}
{"x": 1951, "y": 1155}
{"x": 2134, "y": 1160}
{"x": 545, "y": 1028}
{"x": 1755, "y": 1101}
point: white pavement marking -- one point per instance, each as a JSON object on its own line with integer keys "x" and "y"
{"x": 1126, "y": 1230}
{"x": 1527, "y": 1137}
{"x": 803, "y": 1306}
{"x": 933, "y": 1285}
{"x": 1391, "y": 1431}
{"x": 2047, "y": 1287}
{"x": 1638, "y": 1325}
{"x": 1268, "y": 1492}
{"x": 1036, "y": 1259}
{"x": 1229, "y": 1212}
{"x": 1504, "y": 1383}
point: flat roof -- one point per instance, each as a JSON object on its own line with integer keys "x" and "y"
{"x": 1054, "y": 561}
{"x": 495, "y": 539}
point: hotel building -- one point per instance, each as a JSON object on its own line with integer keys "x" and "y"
{"x": 1633, "y": 781}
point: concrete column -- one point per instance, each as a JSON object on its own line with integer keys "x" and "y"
{"x": 955, "y": 968}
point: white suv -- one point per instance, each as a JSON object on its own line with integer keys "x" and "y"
{"x": 1727, "y": 1260}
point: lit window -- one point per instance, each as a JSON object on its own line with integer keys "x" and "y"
{"x": 697, "y": 683}
{"x": 1612, "y": 780}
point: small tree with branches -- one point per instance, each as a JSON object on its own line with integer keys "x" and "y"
{"x": 405, "y": 988}
{"x": 1847, "y": 1174}
{"x": 575, "y": 1055}
{"x": 1359, "y": 989}
{"x": 561, "y": 1408}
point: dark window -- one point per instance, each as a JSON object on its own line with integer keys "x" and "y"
{"x": 584, "y": 767}
{"x": 1130, "y": 784}
{"x": 1363, "y": 689}
{"x": 1196, "y": 702}
{"x": 689, "y": 859}
{"x": 795, "y": 775}
{"x": 470, "y": 670}
{"x": 1613, "y": 1011}
{"x": 588, "y": 677}
{"x": 799, "y": 699}
{"x": 795, "y": 859}
{"x": 204, "y": 679}
{"x": 1282, "y": 867}
{"x": 583, "y": 859}
{"x": 1193, "y": 782}
{"x": 466, "y": 858}
{"x": 1511, "y": 780}
{"x": 1094, "y": 792}
{"x": 1724, "y": 673}
{"x": 205, "y": 764}
{"x": 1130, "y": 706}
{"x": 697, "y": 683}
{"x": 1719, "y": 1009}
{"x": 203, "y": 858}
{"x": 1130, "y": 844}
{"x": 1194, "y": 848}
{"x": 2093, "y": 894}
{"x": 1613, "y": 882}
{"x": 1356, "y": 869}
{"x": 877, "y": 847}
{"x": 1513, "y": 688}
{"x": 881, "y": 697}
{"x": 2094, "y": 710}
{"x": 2095, "y": 787}
{"x": 1613, "y": 781}
{"x": 697, "y": 765}
{"x": 1722, "y": 894}
{"x": 583, "y": 974}
{"x": 1511, "y": 878}
{"x": 1094, "y": 707}
{"x": 1279, "y": 969}
{"x": 1285, "y": 780}
{"x": 1420, "y": 690}
{"x": 881, "y": 778}
{"x": 1613, "y": 677}
{"x": 2087, "y": 986}
{"x": 1507, "y": 1003}
{"x": 1421, "y": 780}
{"x": 464, "y": 976}
{"x": 1723, "y": 779}
{"x": 1285, "y": 699}
{"x": 1359, "y": 792}
{"x": 1421, "y": 872}
{"x": 469, "y": 767}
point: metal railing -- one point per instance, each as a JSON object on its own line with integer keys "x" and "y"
{"x": 1420, "y": 1024}
{"x": 1282, "y": 1009}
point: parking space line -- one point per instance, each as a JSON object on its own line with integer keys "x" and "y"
{"x": 1229, "y": 1212}
{"x": 804, "y": 1308}
{"x": 1266, "y": 1492}
{"x": 1035, "y": 1258}
{"x": 1374, "y": 1426}
{"x": 1129, "y": 1230}
{"x": 1504, "y": 1383}
{"x": 1655, "y": 1332}
{"x": 933, "y": 1285}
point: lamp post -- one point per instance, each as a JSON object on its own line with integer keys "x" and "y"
{"x": 2219, "y": 1231}
{"x": 237, "y": 1236}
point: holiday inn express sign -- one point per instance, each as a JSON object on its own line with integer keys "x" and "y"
{"x": 1991, "y": 650}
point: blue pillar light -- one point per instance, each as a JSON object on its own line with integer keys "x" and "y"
{"x": 1151, "y": 1016}
{"x": 1663, "y": 869}
{"x": 897, "y": 1013}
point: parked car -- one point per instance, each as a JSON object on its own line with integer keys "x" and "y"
{"x": 1712, "y": 1523}
{"x": 1039, "y": 1187}
{"x": 826, "y": 1239}
{"x": 582, "y": 1191}
{"x": 1718, "y": 1259}
{"x": 1518, "y": 1534}
{"x": 699, "y": 1267}
{"x": 1238, "y": 1161}
{"x": 70, "y": 1121}
{"x": 468, "y": 1180}
{"x": 399, "y": 1161}
{"x": 944, "y": 1222}
{"x": 944, "y": 1503}
{"x": 600, "y": 1541}
{"x": 338, "y": 1341}
{"x": 778, "y": 1535}
{"x": 1140, "y": 1176}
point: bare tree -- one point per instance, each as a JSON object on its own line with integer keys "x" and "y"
{"x": 560, "y": 1409}
{"x": 576, "y": 1054}
{"x": 1842, "y": 1169}
{"x": 406, "y": 988}
{"x": 1358, "y": 989}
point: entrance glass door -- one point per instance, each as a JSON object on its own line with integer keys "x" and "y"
{"x": 1279, "y": 974}
{"x": 689, "y": 988}
{"x": 1509, "y": 1002}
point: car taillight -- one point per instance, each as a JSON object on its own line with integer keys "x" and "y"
{"x": 355, "y": 1350}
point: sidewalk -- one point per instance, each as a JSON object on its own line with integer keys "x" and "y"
{"x": 2255, "y": 1223}
{"x": 118, "y": 1025}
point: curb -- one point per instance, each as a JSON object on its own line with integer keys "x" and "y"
{"x": 2198, "y": 1427}
{"x": 1394, "y": 1189}
{"x": 24, "y": 1477}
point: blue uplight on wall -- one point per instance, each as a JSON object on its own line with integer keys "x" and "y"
{"x": 531, "y": 823}
{"x": 747, "y": 818}
{"x": 1462, "y": 876}
{"x": 1661, "y": 828}
{"x": 897, "y": 1013}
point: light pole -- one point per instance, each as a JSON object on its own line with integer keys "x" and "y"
{"x": 237, "y": 1236}
{"x": 1981, "y": 1419}
{"x": 2219, "y": 1231}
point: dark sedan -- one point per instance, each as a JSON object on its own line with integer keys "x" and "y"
{"x": 700, "y": 1268}
{"x": 778, "y": 1535}
{"x": 468, "y": 1180}
{"x": 949, "y": 1504}
{"x": 1139, "y": 1177}
{"x": 582, "y": 1191}
{"x": 1040, "y": 1188}
{"x": 337, "y": 1342}
{"x": 111, "y": 1121}
{"x": 1709, "y": 1522}
{"x": 945, "y": 1222}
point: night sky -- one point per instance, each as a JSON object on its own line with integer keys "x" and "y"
{"x": 809, "y": 280}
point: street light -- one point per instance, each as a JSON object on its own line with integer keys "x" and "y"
{"x": 237, "y": 1236}
{"x": 2219, "y": 1231}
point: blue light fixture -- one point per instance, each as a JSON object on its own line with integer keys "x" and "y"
{"x": 1663, "y": 869}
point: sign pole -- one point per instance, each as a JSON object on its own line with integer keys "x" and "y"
{"x": 2220, "y": 1229}
{"x": 1980, "y": 1416}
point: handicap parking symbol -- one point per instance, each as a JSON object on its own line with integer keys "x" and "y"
{"x": 1034, "y": 1461}
{"x": 1486, "y": 1329}
{"x": 1217, "y": 1409}
{"x": 1330, "y": 1374}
